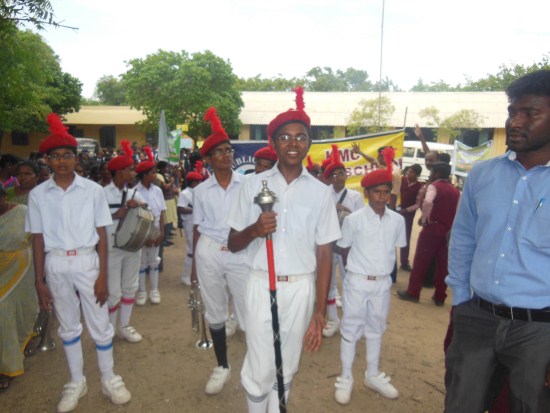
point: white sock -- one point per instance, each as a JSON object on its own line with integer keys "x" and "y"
{"x": 113, "y": 316}
{"x": 105, "y": 360}
{"x": 373, "y": 356}
{"x": 332, "y": 312}
{"x": 73, "y": 352}
{"x": 273, "y": 399}
{"x": 347, "y": 354}
{"x": 126, "y": 306}
{"x": 258, "y": 404}
{"x": 154, "y": 276}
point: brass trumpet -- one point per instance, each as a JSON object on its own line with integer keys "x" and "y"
{"x": 197, "y": 316}
{"x": 42, "y": 329}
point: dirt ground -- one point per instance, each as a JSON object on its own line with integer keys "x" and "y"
{"x": 167, "y": 373}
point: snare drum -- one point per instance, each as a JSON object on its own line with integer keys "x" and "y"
{"x": 135, "y": 229}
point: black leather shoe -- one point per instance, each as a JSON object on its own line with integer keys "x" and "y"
{"x": 406, "y": 267}
{"x": 404, "y": 295}
{"x": 437, "y": 302}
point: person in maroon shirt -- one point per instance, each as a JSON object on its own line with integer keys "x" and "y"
{"x": 409, "y": 191}
{"x": 438, "y": 212}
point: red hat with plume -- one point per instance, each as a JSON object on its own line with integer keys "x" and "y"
{"x": 122, "y": 161}
{"x": 381, "y": 176}
{"x": 218, "y": 135}
{"x": 148, "y": 163}
{"x": 59, "y": 137}
{"x": 290, "y": 116}
{"x": 196, "y": 174}
{"x": 267, "y": 152}
{"x": 335, "y": 162}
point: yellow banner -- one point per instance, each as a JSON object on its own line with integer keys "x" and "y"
{"x": 356, "y": 165}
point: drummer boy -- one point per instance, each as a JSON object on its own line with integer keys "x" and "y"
{"x": 123, "y": 265}
{"x": 68, "y": 216}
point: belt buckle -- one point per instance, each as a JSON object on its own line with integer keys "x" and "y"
{"x": 282, "y": 278}
{"x": 71, "y": 253}
{"x": 371, "y": 277}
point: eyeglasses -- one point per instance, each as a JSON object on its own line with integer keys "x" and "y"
{"x": 338, "y": 174}
{"x": 65, "y": 156}
{"x": 300, "y": 138}
{"x": 220, "y": 152}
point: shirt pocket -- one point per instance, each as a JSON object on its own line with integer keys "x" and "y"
{"x": 538, "y": 228}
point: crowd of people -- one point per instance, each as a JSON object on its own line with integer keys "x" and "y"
{"x": 60, "y": 215}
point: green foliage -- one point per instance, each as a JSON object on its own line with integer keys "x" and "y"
{"x": 371, "y": 116}
{"x": 110, "y": 91}
{"x": 275, "y": 84}
{"x": 440, "y": 86}
{"x": 32, "y": 83}
{"x": 454, "y": 125}
{"x": 184, "y": 86}
{"x": 38, "y": 13}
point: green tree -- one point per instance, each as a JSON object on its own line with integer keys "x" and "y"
{"x": 325, "y": 80}
{"x": 440, "y": 86}
{"x": 110, "y": 91}
{"x": 32, "y": 83}
{"x": 371, "y": 115}
{"x": 274, "y": 84}
{"x": 39, "y": 13}
{"x": 184, "y": 86}
{"x": 454, "y": 125}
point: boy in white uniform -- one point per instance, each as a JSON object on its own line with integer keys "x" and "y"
{"x": 185, "y": 207}
{"x": 214, "y": 266}
{"x": 67, "y": 216}
{"x": 150, "y": 259}
{"x": 303, "y": 225}
{"x": 346, "y": 201}
{"x": 369, "y": 238}
{"x": 123, "y": 265}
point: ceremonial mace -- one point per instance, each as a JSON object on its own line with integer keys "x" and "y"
{"x": 265, "y": 200}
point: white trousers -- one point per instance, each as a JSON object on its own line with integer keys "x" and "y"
{"x": 365, "y": 305}
{"x": 295, "y": 301}
{"x": 337, "y": 264}
{"x": 123, "y": 274}
{"x": 217, "y": 270}
{"x": 66, "y": 276}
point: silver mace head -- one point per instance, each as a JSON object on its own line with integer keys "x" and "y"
{"x": 265, "y": 198}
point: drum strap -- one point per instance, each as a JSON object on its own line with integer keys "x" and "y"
{"x": 343, "y": 196}
{"x": 122, "y": 203}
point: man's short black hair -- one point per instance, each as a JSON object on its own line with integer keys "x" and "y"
{"x": 442, "y": 169}
{"x": 417, "y": 169}
{"x": 444, "y": 157}
{"x": 535, "y": 83}
{"x": 8, "y": 159}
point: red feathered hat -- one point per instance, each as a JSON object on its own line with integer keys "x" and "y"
{"x": 325, "y": 163}
{"x": 59, "y": 138}
{"x": 195, "y": 175}
{"x": 380, "y": 176}
{"x": 147, "y": 164}
{"x": 311, "y": 166}
{"x": 291, "y": 116}
{"x": 122, "y": 161}
{"x": 218, "y": 135}
{"x": 267, "y": 152}
{"x": 335, "y": 162}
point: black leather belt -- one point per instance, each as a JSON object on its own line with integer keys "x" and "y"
{"x": 515, "y": 313}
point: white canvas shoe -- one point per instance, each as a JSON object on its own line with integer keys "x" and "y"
{"x": 331, "y": 328}
{"x": 116, "y": 390}
{"x": 343, "y": 390}
{"x": 129, "y": 334}
{"x": 141, "y": 298}
{"x": 382, "y": 385}
{"x": 72, "y": 392}
{"x": 154, "y": 296}
{"x": 217, "y": 380}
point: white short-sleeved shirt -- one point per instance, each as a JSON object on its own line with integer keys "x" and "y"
{"x": 372, "y": 240}
{"x": 185, "y": 198}
{"x": 306, "y": 217}
{"x": 154, "y": 199}
{"x": 114, "y": 197}
{"x": 353, "y": 200}
{"x": 211, "y": 204}
{"x": 68, "y": 219}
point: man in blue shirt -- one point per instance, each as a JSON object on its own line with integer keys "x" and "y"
{"x": 499, "y": 262}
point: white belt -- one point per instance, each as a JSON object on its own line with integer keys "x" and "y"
{"x": 280, "y": 278}
{"x": 219, "y": 246}
{"x": 72, "y": 253}
{"x": 368, "y": 277}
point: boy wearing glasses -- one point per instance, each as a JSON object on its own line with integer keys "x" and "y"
{"x": 214, "y": 267}
{"x": 68, "y": 216}
{"x": 347, "y": 201}
{"x": 303, "y": 225}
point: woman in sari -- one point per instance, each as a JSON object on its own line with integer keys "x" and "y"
{"x": 27, "y": 175}
{"x": 18, "y": 302}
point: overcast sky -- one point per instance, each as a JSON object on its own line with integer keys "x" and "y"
{"x": 429, "y": 39}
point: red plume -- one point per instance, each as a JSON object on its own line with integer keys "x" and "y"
{"x": 299, "y": 90}
{"x": 198, "y": 167}
{"x": 309, "y": 163}
{"x": 128, "y": 152}
{"x": 388, "y": 154}
{"x": 149, "y": 153}
{"x": 335, "y": 154}
{"x": 215, "y": 123}
{"x": 56, "y": 125}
